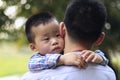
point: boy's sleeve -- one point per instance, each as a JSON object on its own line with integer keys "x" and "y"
{"x": 105, "y": 60}
{"x": 38, "y": 62}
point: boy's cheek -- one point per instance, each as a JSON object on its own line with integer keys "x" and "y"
{"x": 45, "y": 49}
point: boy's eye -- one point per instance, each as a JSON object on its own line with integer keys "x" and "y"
{"x": 46, "y": 38}
{"x": 58, "y": 35}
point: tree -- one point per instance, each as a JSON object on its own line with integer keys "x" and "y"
{"x": 26, "y": 8}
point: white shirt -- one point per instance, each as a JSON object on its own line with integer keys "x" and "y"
{"x": 92, "y": 72}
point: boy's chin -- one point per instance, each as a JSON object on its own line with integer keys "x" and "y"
{"x": 56, "y": 51}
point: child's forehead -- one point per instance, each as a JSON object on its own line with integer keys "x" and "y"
{"x": 49, "y": 28}
{"x": 52, "y": 21}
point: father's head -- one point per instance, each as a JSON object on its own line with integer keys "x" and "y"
{"x": 84, "y": 20}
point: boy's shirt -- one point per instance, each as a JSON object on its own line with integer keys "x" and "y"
{"x": 39, "y": 62}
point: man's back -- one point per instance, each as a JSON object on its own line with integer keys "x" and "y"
{"x": 92, "y": 72}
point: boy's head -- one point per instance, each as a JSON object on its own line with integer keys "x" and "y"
{"x": 84, "y": 20}
{"x": 42, "y": 31}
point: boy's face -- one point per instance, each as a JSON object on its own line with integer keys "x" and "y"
{"x": 47, "y": 38}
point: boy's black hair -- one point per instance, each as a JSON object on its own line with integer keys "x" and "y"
{"x": 34, "y": 21}
{"x": 85, "y": 19}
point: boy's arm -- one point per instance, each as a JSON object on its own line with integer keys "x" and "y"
{"x": 105, "y": 60}
{"x": 39, "y": 62}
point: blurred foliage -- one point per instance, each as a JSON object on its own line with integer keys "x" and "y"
{"x": 112, "y": 39}
{"x": 26, "y": 8}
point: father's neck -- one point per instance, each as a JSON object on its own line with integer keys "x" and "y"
{"x": 72, "y": 46}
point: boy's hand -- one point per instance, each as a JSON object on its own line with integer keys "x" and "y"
{"x": 72, "y": 59}
{"x": 90, "y": 56}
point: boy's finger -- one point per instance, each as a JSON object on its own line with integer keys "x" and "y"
{"x": 82, "y": 52}
{"x": 89, "y": 58}
{"x": 94, "y": 59}
{"x": 80, "y": 62}
{"x": 97, "y": 59}
{"x": 86, "y": 54}
{"x": 83, "y": 65}
{"x": 77, "y": 63}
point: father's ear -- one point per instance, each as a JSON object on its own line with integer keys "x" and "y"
{"x": 62, "y": 29}
{"x": 100, "y": 39}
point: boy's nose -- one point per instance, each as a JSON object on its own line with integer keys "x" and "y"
{"x": 54, "y": 42}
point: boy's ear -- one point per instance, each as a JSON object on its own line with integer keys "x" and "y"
{"x": 100, "y": 39}
{"x": 62, "y": 29}
{"x": 32, "y": 47}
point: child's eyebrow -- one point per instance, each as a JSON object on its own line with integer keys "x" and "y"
{"x": 55, "y": 31}
{"x": 45, "y": 34}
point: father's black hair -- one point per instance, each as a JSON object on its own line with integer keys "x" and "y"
{"x": 85, "y": 19}
{"x": 34, "y": 21}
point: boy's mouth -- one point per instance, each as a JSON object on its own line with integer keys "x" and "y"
{"x": 56, "y": 49}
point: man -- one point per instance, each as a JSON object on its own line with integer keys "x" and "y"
{"x": 81, "y": 29}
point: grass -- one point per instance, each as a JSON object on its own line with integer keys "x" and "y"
{"x": 12, "y": 60}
